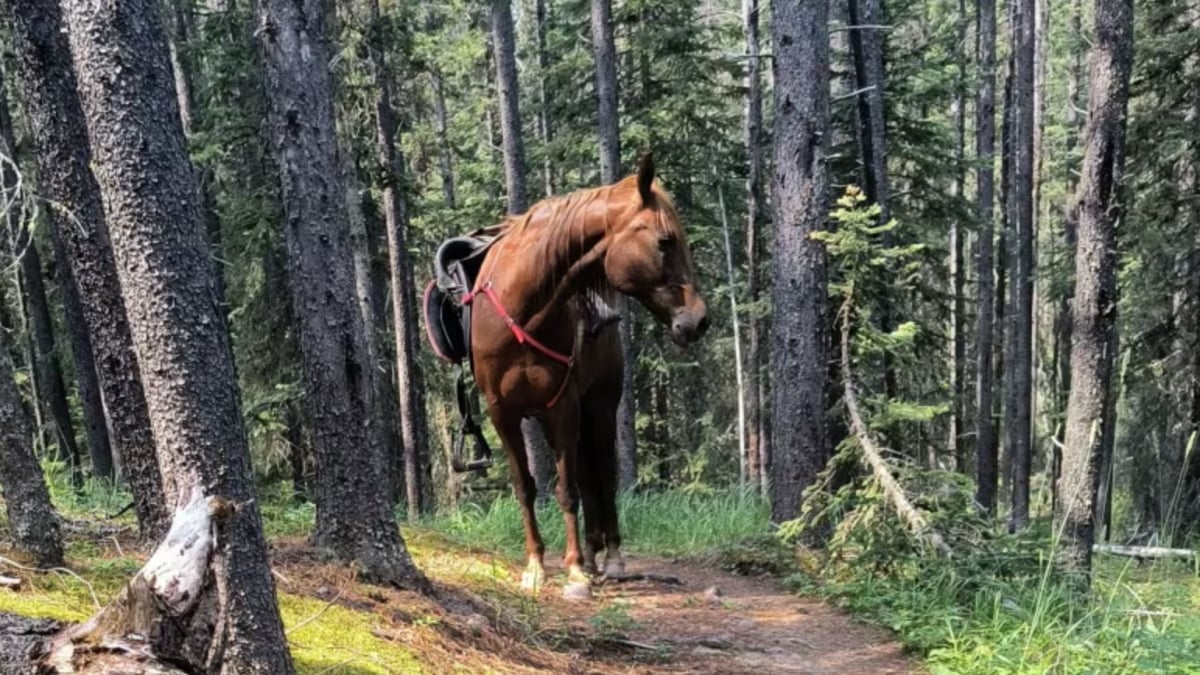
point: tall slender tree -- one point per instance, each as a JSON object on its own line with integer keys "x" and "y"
{"x": 354, "y": 516}
{"x": 958, "y": 337}
{"x": 182, "y": 345}
{"x": 95, "y": 422}
{"x": 413, "y": 433}
{"x": 64, "y": 158}
{"x": 755, "y": 205}
{"x": 1019, "y": 383}
{"x": 1093, "y": 341}
{"x": 541, "y": 459}
{"x": 545, "y": 121}
{"x": 604, "y": 54}
{"x": 798, "y": 293}
{"x": 986, "y": 460}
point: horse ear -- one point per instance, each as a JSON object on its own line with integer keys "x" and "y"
{"x": 645, "y": 177}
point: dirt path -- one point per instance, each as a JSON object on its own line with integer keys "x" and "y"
{"x": 716, "y": 622}
{"x": 710, "y": 622}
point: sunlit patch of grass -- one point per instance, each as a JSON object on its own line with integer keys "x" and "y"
{"x": 328, "y": 638}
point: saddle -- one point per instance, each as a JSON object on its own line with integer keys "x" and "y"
{"x": 448, "y": 325}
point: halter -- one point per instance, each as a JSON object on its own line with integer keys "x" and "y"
{"x": 520, "y": 334}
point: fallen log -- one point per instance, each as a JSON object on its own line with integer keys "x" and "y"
{"x": 1144, "y": 551}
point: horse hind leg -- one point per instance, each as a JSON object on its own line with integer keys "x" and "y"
{"x": 600, "y": 409}
{"x": 563, "y": 431}
{"x": 509, "y": 429}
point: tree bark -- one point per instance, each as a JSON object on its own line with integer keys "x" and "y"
{"x": 31, "y": 518}
{"x": 152, "y": 203}
{"x": 754, "y": 219}
{"x": 545, "y": 122}
{"x": 354, "y": 516}
{"x": 440, "y": 128}
{"x": 987, "y": 475}
{"x": 541, "y": 457}
{"x": 47, "y": 369}
{"x": 64, "y": 157}
{"x": 1093, "y": 341}
{"x": 958, "y": 337}
{"x": 798, "y": 292}
{"x": 604, "y": 54}
{"x": 94, "y": 419}
{"x": 1018, "y": 413}
{"x": 409, "y": 380}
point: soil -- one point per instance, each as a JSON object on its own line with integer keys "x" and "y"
{"x": 710, "y": 621}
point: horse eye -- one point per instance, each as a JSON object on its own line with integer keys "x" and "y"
{"x": 665, "y": 243}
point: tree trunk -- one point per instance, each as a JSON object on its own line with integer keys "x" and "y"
{"x": 61, "y": 147}
{"x": 604, "y": 54}
{"x": 1020, "y": 385}
{"x": 445, "y": 153}
{"x": 798, "y": 291}
{"x": 182, "y": 345}
{"x": 48, "y": 371}
{"x": 754, "y": 219}
{"x": 354, "y": 516}
{"x": 545, "y": 123}
{"x": 409, "y": 381}
{"x": 31, "y": 519}
{"x": 958, "y": 338}
{"x": 94, "y": 419}
{"x": 541, "y": 457}
{"x": 987, "y": 471}
{"x": 1093, "y": 342}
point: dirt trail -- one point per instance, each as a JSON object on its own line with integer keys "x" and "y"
{"x": 716, "y": 622}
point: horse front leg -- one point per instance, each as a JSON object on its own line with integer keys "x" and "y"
{"x": 562, "y": 429}
{"x": 508, "y": 426}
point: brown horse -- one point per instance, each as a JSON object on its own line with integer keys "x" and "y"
{"x": 543, "y": 298}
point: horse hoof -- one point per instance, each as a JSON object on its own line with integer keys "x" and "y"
{"x": 577, "y": 591}
{"x": 614, "y": 569}
{"x": 531, "y": 581}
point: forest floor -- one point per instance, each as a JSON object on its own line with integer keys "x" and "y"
{"x": 712, "y": 621}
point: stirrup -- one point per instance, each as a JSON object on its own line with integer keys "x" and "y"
{"x": 483, "y": 453}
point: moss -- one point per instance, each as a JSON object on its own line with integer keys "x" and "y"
{"x": 324, "y": 639}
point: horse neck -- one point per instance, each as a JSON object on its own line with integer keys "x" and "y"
{"x": 558, "y": 261}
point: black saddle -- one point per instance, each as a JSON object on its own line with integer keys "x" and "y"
{"x": 447, "y": 316}
{"x": 447, "y": 312}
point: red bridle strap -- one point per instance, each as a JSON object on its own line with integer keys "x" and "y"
{"x": 524, "y": 337}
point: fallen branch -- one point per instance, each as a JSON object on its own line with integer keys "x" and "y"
{"x": 1144, "y": 551}
{"x": 874, "y": 455}
{"x": 9, "y": 582}
{"x": 641, "y": 576}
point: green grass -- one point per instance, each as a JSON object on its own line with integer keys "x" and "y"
{"x": 654, "y": 523}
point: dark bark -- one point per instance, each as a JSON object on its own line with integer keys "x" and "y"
{"x": 604, "y": 54}
{"x": 987, "y": 475}
{"x": 47, "y": 369}
{"x": 445, "y": 153}
{"x": 297, "y": 452}
{"x": 150, "y": 198}
{"x": 755, "y": 205}
{"x": 798, "y": 292}
{"x": 958, "y": 337}
{"x": 414, "y": 433}
{"x": 545, "y": 122}
{"x": 1094, "y": 339}
{"x": 1018, "y": 413}
{"x": 31, "y": 518}
{"x": 61, "y": 147}
{"x": 354, "y": 515}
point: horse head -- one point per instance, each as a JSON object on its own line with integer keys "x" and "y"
{"x": 648, "y": 258}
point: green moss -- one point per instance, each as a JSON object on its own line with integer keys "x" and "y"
{"x": 324, "y": 639}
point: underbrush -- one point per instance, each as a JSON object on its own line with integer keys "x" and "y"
{"x": 997, "y": 605}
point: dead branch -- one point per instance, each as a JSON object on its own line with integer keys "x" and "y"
{"x": 873, "y": 454}
{"x": 1144, "y": 551}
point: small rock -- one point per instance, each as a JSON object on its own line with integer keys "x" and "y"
{"x": 322, "y": 591}
{"x": 712, "y": 595}
{"x": 477, "y": 623}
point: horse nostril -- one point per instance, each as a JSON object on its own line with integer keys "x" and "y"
{"x": 702, "y": 328}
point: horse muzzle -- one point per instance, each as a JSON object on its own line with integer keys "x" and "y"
{"x": 688, "y": 327}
